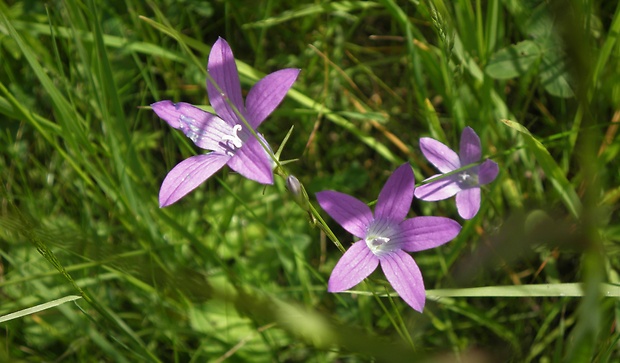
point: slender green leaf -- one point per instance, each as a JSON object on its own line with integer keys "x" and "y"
{"x": 553, "y": 171}
{"x": 38, "y": 308}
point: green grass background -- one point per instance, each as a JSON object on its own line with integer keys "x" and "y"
{"x": 236, "y": 271}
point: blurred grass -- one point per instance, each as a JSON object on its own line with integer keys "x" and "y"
{"x": 235, "y": 271}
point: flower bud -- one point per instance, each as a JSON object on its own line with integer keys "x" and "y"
{"x": 297, "y": 191}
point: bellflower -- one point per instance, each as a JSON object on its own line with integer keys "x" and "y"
{"x": 385, "y": 236}
{"x": 465, "y": 184}
{"x": 225, "y": 134}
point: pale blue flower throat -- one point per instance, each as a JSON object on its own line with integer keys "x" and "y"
{"x": 378, "y": 236}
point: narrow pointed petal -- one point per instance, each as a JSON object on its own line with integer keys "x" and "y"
{"x": 438, "y": 190}
{"x": 423, "y": 233}
{"x": 204, "y": 129}
{"x": 487, "y": 171}
{"x": 468, "y": 202}
{"x": 223, "y": 70}
{"x": 470, "y": 149}
{"x": 189, "y": 174}
{"x": 405, "y": 277}
{"x": 267, "y": 94}
{"x": 353, "y": 215}
{"x": 252, "y": 162}
{"x": 444, "y": 158}
{"x": 172, "y": 112}
{"x": 395, "y": 198}
{"x": 353, "y": 267}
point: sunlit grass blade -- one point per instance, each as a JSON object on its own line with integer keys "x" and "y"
{"x": 314, "y": 9}
{"x": 529, "y": 290}
{"x": 38, "y": 308}
{"x": 109, "y": 40}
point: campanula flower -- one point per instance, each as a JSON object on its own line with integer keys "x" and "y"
{"x": 225, "y": 133}
{"x": 466, "y": 183}
{"x": 385, "y": 236}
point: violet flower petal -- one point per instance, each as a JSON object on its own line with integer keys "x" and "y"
{"x": 253, "y": 162}
{"x": 171, "y": 112}
{"x": 204, "y": 129}
{"x": 468, "y": 202}
{"x": 222, "y": 68}
{"x": 470, "y": 147}
{"x": 487, "y": 171}
{"x": 189, "y": 174}
{"x": 267, "y": 94}
{"x": 440, "y": 189}
{"x": 353, "y": 267}
{"x": 423, "y": 233}
{"x": 395, "y": 198}
{"x": 405, "y": 277}
{"x": 439, "y": 155}
{"x": 353, "y": 215}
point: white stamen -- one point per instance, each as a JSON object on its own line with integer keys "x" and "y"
{"x": 467, "y": 179}
{"x": 378, "y": 244}
{"x": 379, "y": 236}
{"x": 233, "y": 142}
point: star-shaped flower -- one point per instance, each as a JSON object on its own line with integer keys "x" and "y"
{"x": 225, "y": 133}
{"x": 465, "y": 184}
{"x": 385, "y": 236}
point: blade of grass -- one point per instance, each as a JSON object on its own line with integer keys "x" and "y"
{"x": 528, "y": 290}
{"x": 38, "y": 308}
{"x": 553, "y": 171}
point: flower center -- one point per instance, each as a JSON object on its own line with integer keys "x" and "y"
{"x": 468, "y": 179}
{"x": 379, "y": 235}
{"x": 375, "y": 242}
{"x": 233, "y": 142}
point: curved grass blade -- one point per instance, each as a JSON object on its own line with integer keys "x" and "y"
{"x": 553, "y": 171}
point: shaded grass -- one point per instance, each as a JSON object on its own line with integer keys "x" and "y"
{"x": 235, "y": 271}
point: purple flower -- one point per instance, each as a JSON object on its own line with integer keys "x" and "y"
{"x": 385, "y": 236}
{"x": 465, "y": 184}
{"x": 225, "y": 133}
